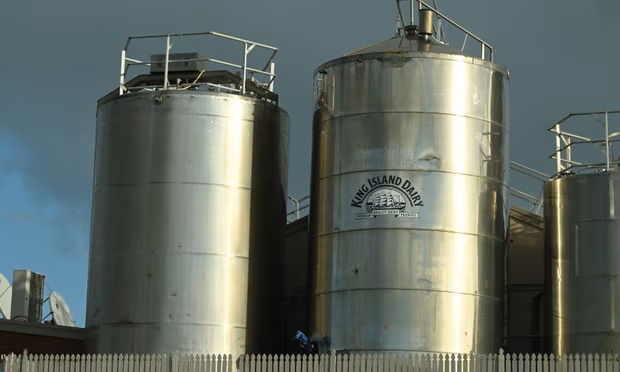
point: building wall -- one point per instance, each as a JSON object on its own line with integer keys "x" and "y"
{"x": 295, "y": 299}
{"x": 17, "y": 337}
{"x": 525, "y": 283}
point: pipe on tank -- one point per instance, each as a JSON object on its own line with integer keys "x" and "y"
{"x": 425, "y": 28}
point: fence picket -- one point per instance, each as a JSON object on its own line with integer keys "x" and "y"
{"x": 46, "y": 364}
{"x": 597, "y": 363}
{"x": 32, "y": 363}
{"x": 314, "y": 363}
{"x": 297, "y": 363}
{"x": 538, "y": 362}
{"x": 395, "y": 365}
{"x": 475, "y": 363}
{"x": 333, "y": 362}
{"x": 491, "y": 363}
{"x": 287, "y": 364}
{"x": 582, "y": 363}
{"x": 483, "y": 363}
{"x": 606, "y": 362}
{"x": 528, "y": 362}
{"x": 351, "y": 365}
{"x": 431, "y": 362}
{"x": 571, "y": 361}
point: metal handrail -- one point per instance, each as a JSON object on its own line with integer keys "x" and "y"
{"x": 267, "y": 71}
{"x": 483, "y": 44}
{"x": 535, "y": 201}
{"x": 298, "y": 205}
{"x": 565, "y": 142}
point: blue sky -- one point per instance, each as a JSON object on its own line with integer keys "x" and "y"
{"x": 59, "y": 57}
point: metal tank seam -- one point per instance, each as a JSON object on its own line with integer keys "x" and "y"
{"x": 120, "y": 185}
{"x": 164, "y": 252}
{"x": 499, "y": 299}
{"x": 406, "y": 229}
{"x": 354, "y": 58}
{"x": 135, "y": 324}
{"x": 332, "y": 118}
{"x": 237, "y": 119}
{"x": 250, "y": 122}
{"x": 411, "y": 170}
{"x": 216, "y": 95}
{"x": 598, "y": 220}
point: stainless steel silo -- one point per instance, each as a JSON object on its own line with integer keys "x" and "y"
{"x": 582, "y": 243}
{"x": 188, "y": 214}
{"x": 409, "y": 210}
{"x": 582, "y": 239}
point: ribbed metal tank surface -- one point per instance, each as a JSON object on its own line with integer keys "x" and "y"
{"x": 582, "y": 244}
{"x": 409, "y": 211}
{"x": 187, "y": 223}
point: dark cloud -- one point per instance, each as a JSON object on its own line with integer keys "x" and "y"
{"x": 64, "y": 55}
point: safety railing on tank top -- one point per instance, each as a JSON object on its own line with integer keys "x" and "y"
{"x": 264, "y": 76}
{"x": 535, "y": 202}
{"x": 568, "y": 143}
{"x": 298, "y": 208}
{"x": 438, "y": 32}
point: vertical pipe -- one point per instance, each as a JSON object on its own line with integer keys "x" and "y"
{"x": 607, "y": 139}
{"x": 569, "y": 157}
{"x": 122, "y": 79}
{"x": 558, "y": 153}
{"x": 411, "y": 7}
{"x": 483, "y": 50}
{"x": 245, "y": 66}
{"x": 272, "y": 70}
{"x": 167, "y": 60}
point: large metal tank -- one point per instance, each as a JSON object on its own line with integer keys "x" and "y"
{"x": 187, "y": 222}
{"x": 409, "y": 212}
{"x": 582, "y": 239}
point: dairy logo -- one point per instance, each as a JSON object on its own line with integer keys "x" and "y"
{"x": 386, "y": 195}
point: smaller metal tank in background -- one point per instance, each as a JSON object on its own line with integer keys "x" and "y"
{"x": 582, "y": 237}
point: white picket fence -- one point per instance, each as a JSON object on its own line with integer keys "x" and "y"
{"x": 418, "y": 362}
